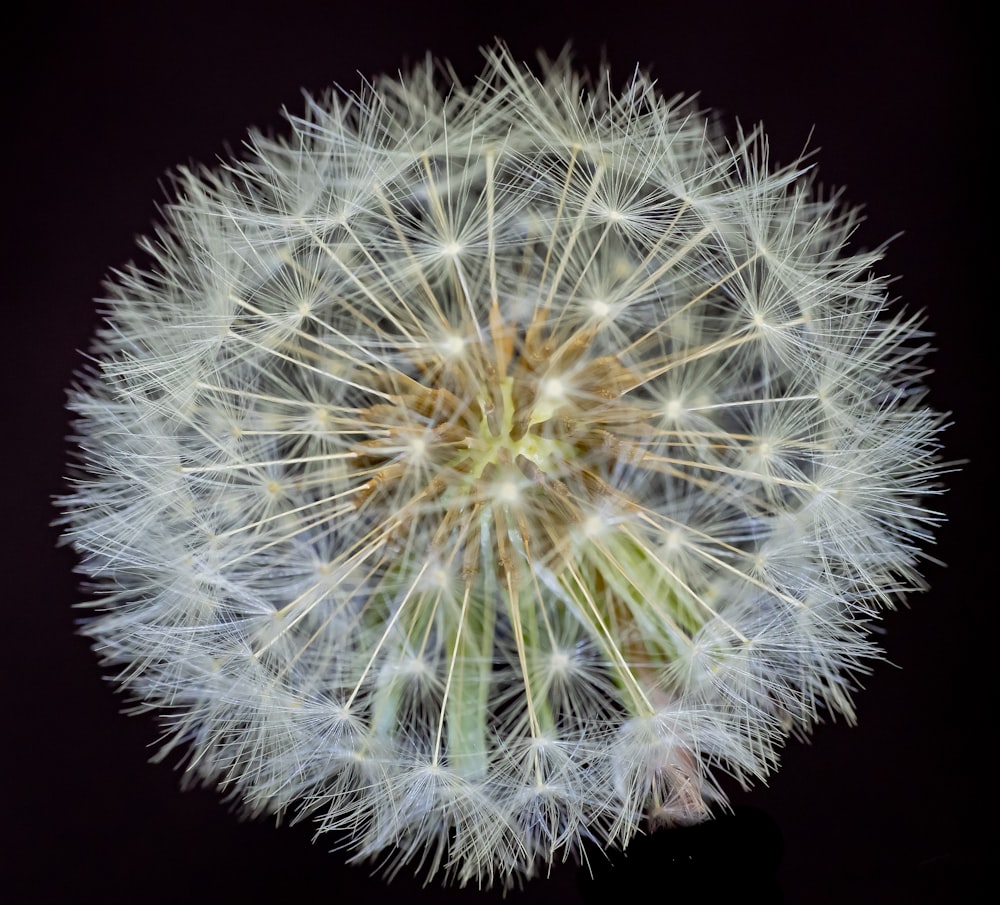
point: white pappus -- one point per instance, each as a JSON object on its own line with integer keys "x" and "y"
{"x": 481, "y": 470}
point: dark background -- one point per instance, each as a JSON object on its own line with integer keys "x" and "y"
{"x": 103, "y": 101}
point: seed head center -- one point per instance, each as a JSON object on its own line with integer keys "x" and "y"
{"x": 504, "y": 437}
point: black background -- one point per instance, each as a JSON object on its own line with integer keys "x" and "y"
{"x": 103, "y": 101}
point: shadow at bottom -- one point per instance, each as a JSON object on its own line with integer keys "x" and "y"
{"x": 734, "y": 854}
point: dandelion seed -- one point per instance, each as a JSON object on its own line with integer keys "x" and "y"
{"x": 482, "y": 470}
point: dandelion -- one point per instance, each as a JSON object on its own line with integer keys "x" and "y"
{"x": 480, "y": 471}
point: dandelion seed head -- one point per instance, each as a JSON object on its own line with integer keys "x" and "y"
{"x": 479, "y": 470}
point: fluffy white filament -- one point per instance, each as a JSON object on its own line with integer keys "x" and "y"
{"x": 482, "y": 470}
